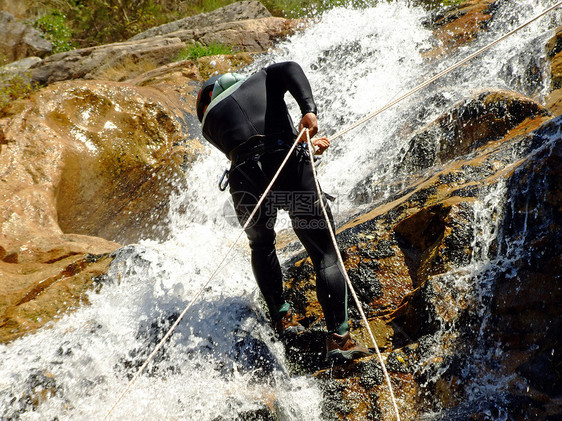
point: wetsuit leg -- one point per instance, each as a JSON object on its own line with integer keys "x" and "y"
{"x": 311, "y": 227}
{"x": 331, "y": 287}
{"x": 247, "y": 181}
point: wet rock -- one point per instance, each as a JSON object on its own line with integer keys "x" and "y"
{"x": 37, "y": 289}
{"x": 553, "y": 50}
{"x": 253, "y": 355}
{"x": 526, "y": 302}
{"x": 415, "y": 263}
{"x": 457, "y": 25}
{"x": 41, "y": 387}
{"x": 554, "y": 55}
{"x": 335, "y": 405}
{"x": 105, "y": 141}
{"x": 469, "y": 125}
{"x": 261, "y": 414}
{"x": 306, "y": 352}
{"x": 81, "y": 161}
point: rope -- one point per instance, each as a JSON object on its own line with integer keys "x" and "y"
{"x": 348, "y": 281}
{"x": 219, "y": 266}
{"x": 262, "y": 198}
{"x": 441, "y": 74}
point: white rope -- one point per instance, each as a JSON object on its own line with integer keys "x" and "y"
{"x": 262, "y": 198}
{"x": 441, "y": 74}
{"x": 219, "y": 266}
{"x": 342, "y": 267}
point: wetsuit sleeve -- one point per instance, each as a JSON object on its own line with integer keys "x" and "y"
{"x": 289, "y": 76}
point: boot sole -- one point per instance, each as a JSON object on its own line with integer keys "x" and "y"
{"x": 350, "y": 355}
{"x": 291, "y": 332}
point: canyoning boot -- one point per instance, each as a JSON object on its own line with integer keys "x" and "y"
{"x": 288, "y": 325}
{"x": 342, "y": 348}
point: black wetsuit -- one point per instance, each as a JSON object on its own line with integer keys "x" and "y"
{"x": 252, "y": 126}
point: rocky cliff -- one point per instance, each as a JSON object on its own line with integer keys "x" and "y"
{"x": 451, "y": 305}
{"x": 87, "y": 164}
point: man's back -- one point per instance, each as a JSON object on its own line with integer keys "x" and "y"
{"x": 257, "y": 107}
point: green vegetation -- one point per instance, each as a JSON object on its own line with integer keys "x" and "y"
{"x": 193, "y": 52}
{"x": 54, "y": 28}
{"x": 12, "y": 86}
{"x": 306, "y": 8}
{"x": 95, "y": 22}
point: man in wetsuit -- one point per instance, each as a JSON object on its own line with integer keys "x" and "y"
{"x": 248, "y": 120}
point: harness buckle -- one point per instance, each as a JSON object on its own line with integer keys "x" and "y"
{"x": 222, "y": 183}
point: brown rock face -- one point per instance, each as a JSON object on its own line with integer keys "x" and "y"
{"x": 450, "y": 272}
{"x": 47, "y": 276}
{"x": 81, "y": 162}
{"x": 118, "y": 150}
{"x": 469, "y": 125}
{"x": 554, "y": 54}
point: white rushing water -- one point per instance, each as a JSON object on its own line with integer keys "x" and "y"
{"x": 223, "y": 359}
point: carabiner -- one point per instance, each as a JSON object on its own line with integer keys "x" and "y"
{"x": 222, "y": 184}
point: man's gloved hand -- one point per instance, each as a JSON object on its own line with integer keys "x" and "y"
{"x": 310, "y": 122}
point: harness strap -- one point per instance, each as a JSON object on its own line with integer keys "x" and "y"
{"x": 260, "y": 144}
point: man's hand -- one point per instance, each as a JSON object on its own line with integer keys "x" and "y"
{"x": 310, "y": 122}
{"x": 321, "y": 144}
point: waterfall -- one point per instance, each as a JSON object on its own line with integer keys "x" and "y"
{"x": 223, "y": 360}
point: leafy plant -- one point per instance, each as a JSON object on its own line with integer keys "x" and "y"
{"x": 452, "y": 2}
{"x": 12, "y": 85}
{"x": 106, "y": 21}
{"x": 54, "y": 28}
{"x": 195, "y": 51}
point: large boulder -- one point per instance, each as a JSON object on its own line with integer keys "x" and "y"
{"x": 107, "y": 62}
{"x": 84, "y": 166}
{"x": 19, "y": 40}
{"x": 239, "y": 11}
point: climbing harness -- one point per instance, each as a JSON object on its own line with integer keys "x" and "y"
{"x": 348, "y": 281}
{"x": 263, "y": 196}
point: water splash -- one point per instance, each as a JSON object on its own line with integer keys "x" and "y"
{"x": 223, "y": 360}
